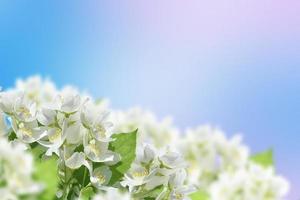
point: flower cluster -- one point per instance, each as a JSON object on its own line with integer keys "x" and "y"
{"x": 208, "y": 153}
{"x": 162, "y": 174}
{"x": 223, "y": 167}
{"x": 77, "y": 130}
{"x": 251, "y": 182}
{"x": 16, "y": 181}
{"x": 66, "y": 124}
{"x": 151, "y": 129}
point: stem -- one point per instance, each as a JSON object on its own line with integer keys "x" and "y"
{"x": 84, "y": 176}
{"x": 65, "y": 179}
{"x": 66, "y": 185}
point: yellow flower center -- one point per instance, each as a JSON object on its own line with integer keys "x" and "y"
{"x": 100, "y": 130}
{"x": 142, "y": 173}
{"x": 26, "y": 131}
{"x": 178, "y": 196}
{"x": 54, "y": 136}
{"x": 101, "y": 178}
{"x": 32, "y": 95}
{"x": 24, "y": 111}
{"x": 94, "y": 148}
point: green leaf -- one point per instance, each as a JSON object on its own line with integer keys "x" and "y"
{"x": 37, "y": 150}
{"x": 149, "y": 195}
{"x": 12, "y": 135}
{"x": 82, "y": 176}
{"x": 28, "y": 197}
{"x": 125, "y": 145}
{"x": 46, "y": 173}
{"x": 87, "y": 193}
{"x": 265, "y": 158}
{"x": 199, "y": 195}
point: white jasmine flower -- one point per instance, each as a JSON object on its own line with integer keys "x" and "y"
{"x": 172, "y": 160}
{"x": 98, "y": 151}
{"x": 138, "y": 176}
{"x": 54, "y": 139}
{"x": 68, "y": 101}
{"x": 143, "y": 169}
{"x": 151, "y": 170}
{"x": 25, "y": 110}
{"x": 47, "y": 116}
{"x": 76, "y": 160}
{"x": 178, "y": 189}
{"x": 95, "y": 121}
{"x": 28, "y": 132}
{"x": 100, "y": 177}
{"x": 146, "y": 154}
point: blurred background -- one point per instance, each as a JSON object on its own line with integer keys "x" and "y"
{"x": 234, "y": 64}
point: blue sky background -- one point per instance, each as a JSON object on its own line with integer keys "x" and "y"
{"x": 233, "y": 64}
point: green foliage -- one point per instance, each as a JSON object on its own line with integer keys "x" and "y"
{"x": 199, "y": 195}
{"x": 11, "y": 135}
{"x": 149, "y": 195}
{"x": 46, "y": 173}
{"x": 265, "y": 158}
{"x": 87, "y": 193}
{"x": 46, "y": 169}
{"x": 125, "y": 145}
{"x": 82, "y": 176}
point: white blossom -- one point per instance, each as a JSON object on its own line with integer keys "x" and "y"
{"x": 209, "y": 152}
{"x": 112, "y": 194}
{"x": 95, "y": 120}
{"x": 76, "y": 160}
{"x": 79, "y": 129}
{"x": 251, "y": 182}
{"x": 16, "y": 168}
{"x": 28, "y": 132}
{"x": 100, "y": 177}
{"x": 36, "y": 89}
{"x": 178, "y": 189}
{"x": 158, "y": 132}
{"x": 65, "y": 122}
{"x": 98, "y": 151}
{"x": 154, "y": 169}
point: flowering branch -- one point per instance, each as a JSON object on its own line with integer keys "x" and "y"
{"x": 73, "y": 133}
{"x": 75, "y": 129}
